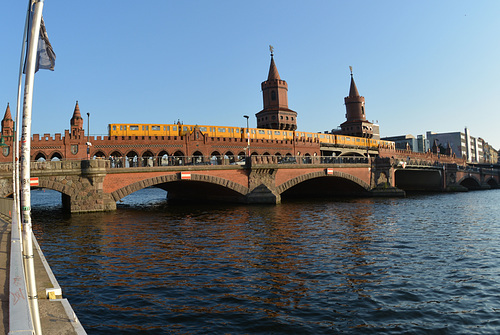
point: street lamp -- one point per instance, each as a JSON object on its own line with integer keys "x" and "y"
{"x": 88, "y": 134}
{"x": 248, "y": 136}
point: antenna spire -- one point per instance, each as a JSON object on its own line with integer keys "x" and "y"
{"x": 271, "y": 48}
{"x": 350, "y": 68}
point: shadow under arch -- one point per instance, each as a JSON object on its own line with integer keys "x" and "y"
{"x": 470, "y": 182}
{"x": 320, "y": 184}
{"x": 198, "y": 188}
{"x": 493, "y": 183}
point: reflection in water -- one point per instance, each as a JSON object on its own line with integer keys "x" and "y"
{"x": 420, "y": 264}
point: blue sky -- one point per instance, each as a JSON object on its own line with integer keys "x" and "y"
{"x": 421, "y": 65}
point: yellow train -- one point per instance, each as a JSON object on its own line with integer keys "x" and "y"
{"x": 127, "y": 129}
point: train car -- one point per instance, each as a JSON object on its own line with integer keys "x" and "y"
{"x": 267, "y": 134}
{"x": 139, "y": 129}
{"x": 326, "y": 138}
{"x": 127, "y": 129}
{"x": 216, "y": 131}
{"x": 372, "y": 144}
{"x": 304, "y": 135}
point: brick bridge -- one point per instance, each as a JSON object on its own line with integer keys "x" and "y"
{"x": 96, "y": 185}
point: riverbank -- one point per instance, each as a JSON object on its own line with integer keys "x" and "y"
{"x": 56, "y": 314}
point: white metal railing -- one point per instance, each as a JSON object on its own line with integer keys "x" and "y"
{"x": 20, "y": 321}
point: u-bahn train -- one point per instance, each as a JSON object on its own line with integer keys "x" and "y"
{"x": 129, "y": 129}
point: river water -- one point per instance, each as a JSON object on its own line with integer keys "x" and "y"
{"x": 427, "y": 263}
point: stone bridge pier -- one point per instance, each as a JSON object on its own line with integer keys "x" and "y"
{"x": 79, "y": 182}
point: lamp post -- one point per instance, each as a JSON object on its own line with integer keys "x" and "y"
{"x": 248, "y": 161}
{"x": 88, "y": 134}
{"x": 248, "y": 136}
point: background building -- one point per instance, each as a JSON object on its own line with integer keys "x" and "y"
{"x": 410, "y": 142}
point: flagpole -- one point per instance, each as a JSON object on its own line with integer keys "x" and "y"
{"x": 15, "y": 155}
{"x": 25, "y": 163}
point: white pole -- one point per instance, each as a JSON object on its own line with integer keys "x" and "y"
{"x": 25, "y": 163}
{"x": 15, "y": 154}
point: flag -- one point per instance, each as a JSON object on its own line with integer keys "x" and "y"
{"x": 46, "y": 58}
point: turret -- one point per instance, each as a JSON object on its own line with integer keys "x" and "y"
{"x": 275, "y": 114}
{"x": 76, "y": 121}
{"x": 7, "y": 123}
{"x": 356, "y": 124}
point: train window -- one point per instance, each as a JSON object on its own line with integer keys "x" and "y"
{"x": 221, "y": 130}
{"x": 357, "y": 140}
{"x": 147, "y": 127}
{"x": 347, "y": 138}
{"x": 269, "y": 132}
{"x": 134, "y": 127}
{"x": 309, "y": 135}
{"x": 121, "y": 127}
{"x": 321, "y": 136}
{"x": 114, "y": 127}
{"x": 204, "y": 129}
{"x": 185, "y": 128}
{"x": 253, "y": 131}
{"x": 155, "y": 128}
{"x": 315, "y": 135}
{"x": 174, "y": 128}
{"x": 261, "y": 132}
{"x": 168, "y": 128}
{"x": 277, "y": 133}
{"x": 238, "y": 130}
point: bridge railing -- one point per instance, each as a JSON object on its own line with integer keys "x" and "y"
{"x": 151, "y": 161}
{"x": 267, "y": 159}
{"x": 128, "y": 162}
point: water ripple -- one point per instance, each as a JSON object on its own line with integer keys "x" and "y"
{"x": 423, "y": 264}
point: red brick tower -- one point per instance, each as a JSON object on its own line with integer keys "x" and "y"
{"x": 76, "y": 122}
{"x": 356, "y": 124}
{"x": 7, "y": 124}
{"x": 276, "y": 114}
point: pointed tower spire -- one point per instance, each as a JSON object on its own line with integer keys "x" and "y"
{"x": 356, "y": 124}
{"x": 273, "y": 71}
{"x": 7, "y": 115}
{"x": 76, "y": 121}
{"x": 7, "y": 123}
{"x": 353, "y": 90}
{"x": 276, "y": 114}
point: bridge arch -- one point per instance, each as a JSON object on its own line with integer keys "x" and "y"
{"x": 492, "y": 182}
{"x": 351, "y": 153}
{"x": 40, "y": 156}
{"x": 56, "y": 155}
{"x": 100, "y": 154}
{"x": 56, "y": 186}
{"x": 165, "y": 182}
{"x": 319, "y": 174}
{"x": 116, "y": 154}
{"x": 471, "y": 182}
